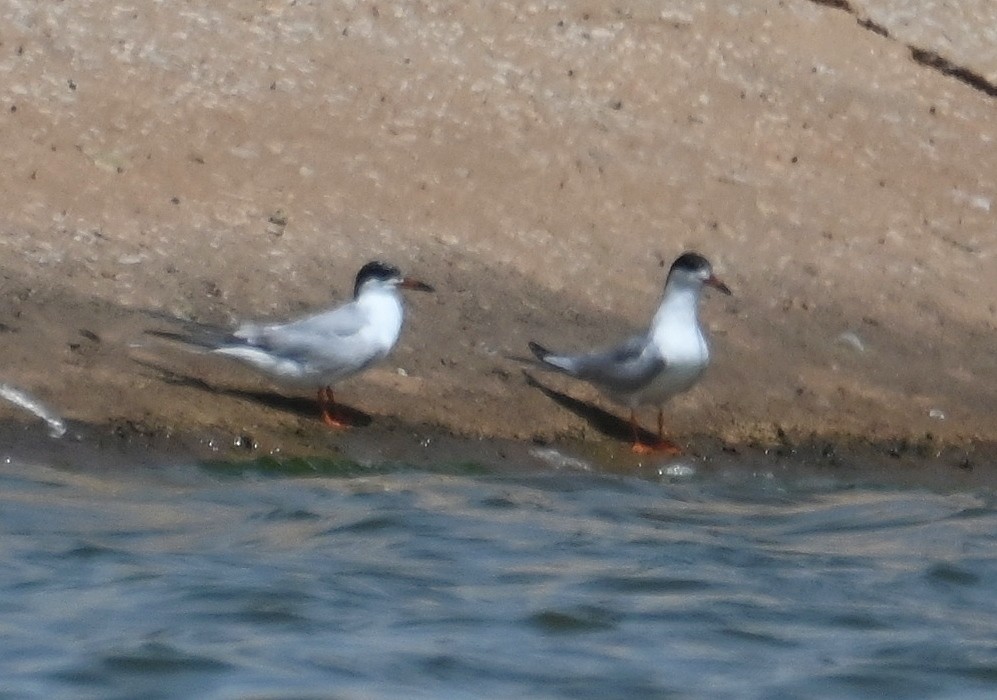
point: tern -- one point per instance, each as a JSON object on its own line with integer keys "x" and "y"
{"x": 323, "y": 348}
{"x": 650, "y": 368}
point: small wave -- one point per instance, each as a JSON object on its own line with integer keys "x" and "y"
{"x": 56, "y": 426}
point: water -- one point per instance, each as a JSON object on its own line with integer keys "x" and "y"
{"x": 224, "y": 582}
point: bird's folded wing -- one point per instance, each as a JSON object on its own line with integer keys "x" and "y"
{"x": 343, "y": 322}
{"x": 331, "y": 340}
{"x": 626, "y": 367}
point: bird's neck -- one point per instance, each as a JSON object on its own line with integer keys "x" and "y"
{"x": 679, "y": 308}
{"x": 384, "y": 308}
{"x": 675, "y": 329}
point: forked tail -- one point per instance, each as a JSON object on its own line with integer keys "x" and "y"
{"x": 550, "y": 360}
{"x": 197, "y": 336}
{"x": 539, "y": 351}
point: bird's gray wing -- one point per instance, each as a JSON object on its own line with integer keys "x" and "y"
{"x": 341, "y": 322}
{"x": 623, "y": 368}
{"x": 330, "y": 344}
{"x": 329, "y": 339}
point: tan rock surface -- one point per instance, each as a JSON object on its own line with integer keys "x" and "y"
{"x": 963, "y": 34}
{"x": 539, "y": 163}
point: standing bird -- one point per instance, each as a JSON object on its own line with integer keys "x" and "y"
{"x": 650, "y": 368}
{"x": 324, "y": 348}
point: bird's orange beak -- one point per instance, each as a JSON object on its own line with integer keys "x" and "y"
{"x": 416, "y": 285}
{"x": 715, "y": 282}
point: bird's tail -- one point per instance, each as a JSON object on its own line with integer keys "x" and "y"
{"x": 539, "y": 351}
{"x": 549, "y": 359}
{"x": 197, "y": 335}
{"x": 169, "y": 335}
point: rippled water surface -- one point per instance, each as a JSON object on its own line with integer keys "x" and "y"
{"x": 392, "y": 582}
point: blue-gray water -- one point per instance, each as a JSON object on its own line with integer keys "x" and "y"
{"x": 213, "y": 582}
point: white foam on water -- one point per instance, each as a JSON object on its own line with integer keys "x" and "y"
{"x": 559, "y": 460}
{"x": 677, "y": 470}
{"x": 56, "y": 426}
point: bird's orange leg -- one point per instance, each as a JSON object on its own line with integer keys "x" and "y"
{"x": 661, "y": 445}
{"x": 327, "y": 404}
{"x": 638, "y": 447}
{"x": 665, "y": 445}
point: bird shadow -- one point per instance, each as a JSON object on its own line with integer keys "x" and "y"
{"x": 610, "y": 425}
{"x": 298, "y": 405}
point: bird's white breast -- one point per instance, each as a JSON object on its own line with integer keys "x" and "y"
{"x": 676, "y": 334}
{"x": 383, "y": 310}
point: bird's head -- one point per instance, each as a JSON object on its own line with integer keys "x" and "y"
{"x": 694, "y": 269}
{"x": 376, "y": 274}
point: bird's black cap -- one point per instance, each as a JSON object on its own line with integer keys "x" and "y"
{"x": 691, "y": 262}
{"x": 374, "y": 270}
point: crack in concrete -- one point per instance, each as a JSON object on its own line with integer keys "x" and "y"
{"x": 947, "y": 67}
{"x": 925, "y": 57}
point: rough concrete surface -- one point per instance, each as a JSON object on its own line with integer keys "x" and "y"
{"x": 540, "y": 163}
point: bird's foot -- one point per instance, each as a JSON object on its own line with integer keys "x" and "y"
{"x": 334, "y": 421}
{"x": 327, "y": 404}
{"x": 660, "y": 446}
